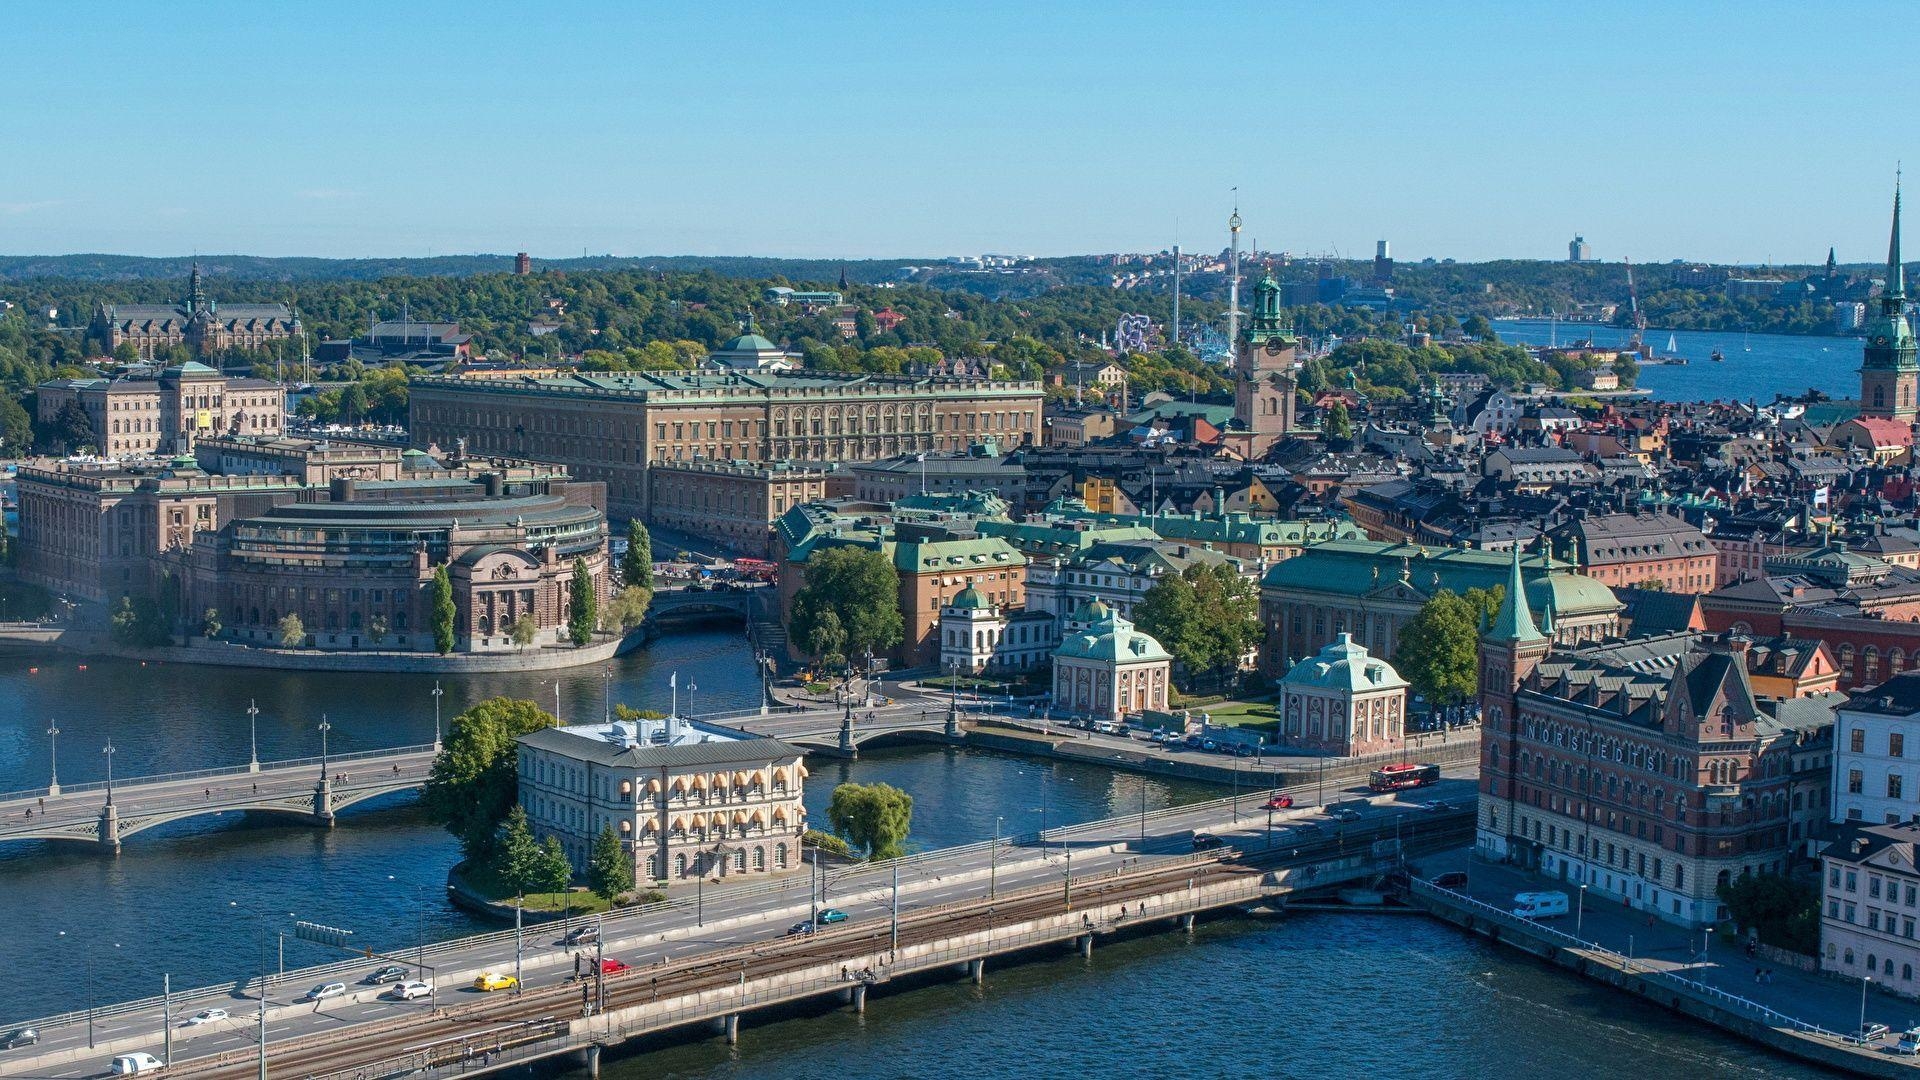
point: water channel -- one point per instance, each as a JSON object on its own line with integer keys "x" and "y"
{"x": 1346, "y": 996}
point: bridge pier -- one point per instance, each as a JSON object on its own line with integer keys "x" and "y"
{"x": 733, "y": 1029}
{"x": 110, "y": 827}
{"x": 860, "y": 999}
{"x": 977, "y": 971}
{"x": 1085, "y": 945}
{"x": 846, "y": 737}
{"x": 323, "y": 801}
{"x": 1186, "y": 922}
{"x": 592, "y": 1055}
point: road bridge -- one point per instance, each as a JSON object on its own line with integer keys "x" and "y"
{"x": 108, "y": 811}
{"x": 704, "y": 965}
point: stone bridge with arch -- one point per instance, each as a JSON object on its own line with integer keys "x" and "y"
{"x": 105, "y": 813}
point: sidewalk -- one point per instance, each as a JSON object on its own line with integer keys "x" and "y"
{"x": 1830, "y": 1002}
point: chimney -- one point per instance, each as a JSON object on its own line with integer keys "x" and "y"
{"x": 460, "y": 449}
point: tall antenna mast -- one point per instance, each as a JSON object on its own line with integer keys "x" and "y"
{"x": 1233, "y": 275}
{"x": 1175, "y": 340}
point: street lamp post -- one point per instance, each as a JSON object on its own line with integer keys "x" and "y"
{"x": 53, "y": 750}
{"x": 253, "y": 735}
{"x": 108, "y": 751}
{"x": 324, "y": 728}
{"x": 1864, "y": 980}
{"x": 436, "y": 714}
{"x": 1236, "y": 788}
{"x": 1580, "y": 913}
{"x": 993, "y": 862}
{"x": 691, "y": 688}
{"x": 607, "y": 696}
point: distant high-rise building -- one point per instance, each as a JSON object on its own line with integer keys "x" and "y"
{"x": 522, "y": 264}
{"x": 1578, "y": 250}
{"x": 1382, "y": 263}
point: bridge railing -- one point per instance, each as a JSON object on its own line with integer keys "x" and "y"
{"x": 130, "y": 783}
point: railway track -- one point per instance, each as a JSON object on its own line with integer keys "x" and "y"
{"x": 500, "y": 1022}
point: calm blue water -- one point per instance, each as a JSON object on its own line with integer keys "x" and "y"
{"x": 1757, "y": 365}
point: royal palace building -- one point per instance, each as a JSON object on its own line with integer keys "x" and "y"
{"x": 613, "y": 428}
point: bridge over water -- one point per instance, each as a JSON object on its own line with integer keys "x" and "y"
{"x": 701, "y": 967}
{"x": 106, "y": 812}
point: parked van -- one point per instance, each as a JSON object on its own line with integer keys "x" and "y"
{"x": 128, "y": 1064}
{"x": 1909, "y": 1043}
{"x": 1540, "y": 905}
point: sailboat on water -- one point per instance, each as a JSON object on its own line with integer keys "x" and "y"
{"x": 1673, "y": 345}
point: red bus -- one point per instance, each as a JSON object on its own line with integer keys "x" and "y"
{"x": 1399, "y": 777}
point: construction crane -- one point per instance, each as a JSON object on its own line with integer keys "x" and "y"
{"x": 1633, "y": 310}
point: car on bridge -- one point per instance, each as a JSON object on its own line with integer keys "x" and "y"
{"x": 204, "y": 1016}
{"x": 1278, "y": 802}
{"x": 19, "y": 1037}
{"x": 582, "y": 935}
{"x": 409, "y": 990}
{"x": 804, "y": 926}
{"x": 390, "y": 973}
{"x": 129, "y": 1064}
{"x": 829, "y": 916}
{"x": 323, "y": 991}
{"x": 613, "y": 966}
{"x": 488, "y": 981}
{"x": 1205, "y": 841}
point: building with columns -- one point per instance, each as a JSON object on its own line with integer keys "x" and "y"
{"x": 169, "y": 414}
{"x": 688, "y": 799}
{"x": 1342, "y": 702}
{"x": 1889, "y": 367}
{"x": 1110, "y": 669}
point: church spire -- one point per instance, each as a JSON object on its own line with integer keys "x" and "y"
{"x": 1896, "y": 293}
{"x": 1515, "y": 620}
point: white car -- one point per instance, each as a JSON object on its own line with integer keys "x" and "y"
{"x": 326, "y": 990}
{"x": 409, "y": 990}
{"x": 204, "y": 1016}
{"x": 128, "y": 1064}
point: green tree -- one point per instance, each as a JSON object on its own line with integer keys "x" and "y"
{"x": 1207, "y": 616}
{"x": 554, "y": 871}
{"x": 582, "y": 615}
{"x": 609, "y": 867}
{"x": 441, "y": 610}
{"x": 353, "y": 403}
{"x": 291, "y": 631}
{"x": 140, "y": 621}
{"x": 516, "y": 858}
{"x": 72, "y": 428}
{"x": 523, "y": 631}
{"x": 628, "y": 608}
{"x": 1439, "y": 649}
{"x": 1784, "y": 910}
{"x": 126, "y": 353}
{"x": 873, "y": 818}
{"x": 210, "y": 623}
{"x": 1338, "y": 426}
{"x": 636, "y": 566}
{"x": 851, "y": 600}
{"x": 16, "y": 426}
{"x": 475, "y": 779}
{"x": 377, "y": 626}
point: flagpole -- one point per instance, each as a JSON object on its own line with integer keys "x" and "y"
{"x": 673, "y": 683}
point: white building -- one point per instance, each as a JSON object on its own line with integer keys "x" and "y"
{"x": 688, "y": 799}
{"x": 1875, "y": 779}
{"x": 1110, "y": 669}
{"x": 977, "y": 635}
{"x": 1871, "y": 904}
{"x": 1343, "y": 702}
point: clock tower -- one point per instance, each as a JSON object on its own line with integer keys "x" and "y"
{"x": 1889, "y": 369}
{"x": 1264, "y": 380}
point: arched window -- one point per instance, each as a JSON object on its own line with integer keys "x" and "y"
{"x": 680, "y": 870}
{"x": 759, "y": 858}
{"x": 779, "y": 856}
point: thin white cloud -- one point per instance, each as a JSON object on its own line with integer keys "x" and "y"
{"x": 328, "y": 194}
{"x": 14, "y": 209}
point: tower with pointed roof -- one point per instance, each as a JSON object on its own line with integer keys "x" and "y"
{"x": 1511, "y": 646}
{"x": 1264, "y": 380}
{"x": 1889, "y": 369}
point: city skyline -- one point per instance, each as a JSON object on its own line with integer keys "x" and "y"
{"x": 1500, "y": 132}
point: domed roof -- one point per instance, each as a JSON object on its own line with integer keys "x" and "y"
{"x": 1346, "y": 666}
{"x": 749, "y": 343}
{"x": 1094, "y": 611}
{"x": 971, "y": 597}
{"x": 1112, "y": 639}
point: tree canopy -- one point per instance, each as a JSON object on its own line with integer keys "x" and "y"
{"x": 582, "y": 606}
{"x": 441, "y": 610}
{"x": 609, "y": 866}
{"x": 636, "y": 563}
{"x": 475, "y": 779}
{"x": 849, "y": 606}
{"x": 1440, "y": 648}
{"x": 874, "y": 818}
{"x": 1207, "y": 616}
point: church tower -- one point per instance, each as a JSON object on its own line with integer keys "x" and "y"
{"x": 1510, "y": 648}
{"x": 1889, "y": 371}
{"x": 1264, "y": 381}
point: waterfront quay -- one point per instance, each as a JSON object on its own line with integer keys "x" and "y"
{"x": 711, "y": 958}
{"x": 1766, "y": 996}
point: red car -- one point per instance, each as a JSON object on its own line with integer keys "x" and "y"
{"x": 610, "y": 966}
{"x": 1278, "y": 802}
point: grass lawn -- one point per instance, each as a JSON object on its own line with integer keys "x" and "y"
{"x": 579, "y": 901}
{"x": 1259, "y": 716}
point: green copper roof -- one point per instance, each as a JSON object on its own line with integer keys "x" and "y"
{"x": 1359, "y": 568}
{"x": 1112, "y": 639}
{"x": 972, "y": 599}
{"x": 749, "y": 343}
{"x": 1515, "y": 620}
{"x": 1890, "y": 341}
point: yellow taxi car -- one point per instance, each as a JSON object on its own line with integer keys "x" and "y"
{"x": 494, "y": 980}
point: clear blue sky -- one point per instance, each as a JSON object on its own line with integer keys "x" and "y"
{"x": 1740, "y": 132}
